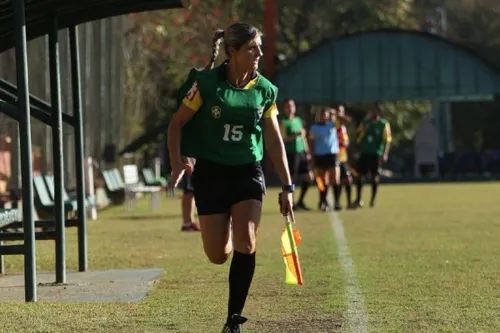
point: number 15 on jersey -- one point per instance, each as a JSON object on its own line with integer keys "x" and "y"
{"x": 233, "y": 133}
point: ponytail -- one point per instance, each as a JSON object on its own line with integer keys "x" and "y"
{"x": 216, "y": 40}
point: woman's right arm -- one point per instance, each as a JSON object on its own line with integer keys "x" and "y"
{"x": 181, "y": 117}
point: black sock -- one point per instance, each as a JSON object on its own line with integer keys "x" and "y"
{"x": 336, "y": 194}
{"x": 374, "y": 190}
{"x": 348, "y": 192}
{"x": 340, "y": 190}
{"x": 303, "y": 190}
{"x": 240, "y": 278}
{"x": 359, "y": 189}
{"x": 322, "y": 196}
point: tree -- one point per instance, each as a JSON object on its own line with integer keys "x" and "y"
{"x": 303, "y": 23}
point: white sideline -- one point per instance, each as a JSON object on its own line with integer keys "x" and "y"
{"x": 356, "y": 313}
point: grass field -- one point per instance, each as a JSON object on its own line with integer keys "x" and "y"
{"x": 426, "y": 259}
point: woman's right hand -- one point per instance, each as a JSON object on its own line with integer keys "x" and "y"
{"x": 177, "y": 173}
{"x": 188, "y": 165}
{"x": 179, "y": 168}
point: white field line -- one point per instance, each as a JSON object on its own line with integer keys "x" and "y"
{"x": 356, "y": 313}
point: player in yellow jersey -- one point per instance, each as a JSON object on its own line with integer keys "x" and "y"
{"x": 343, "y": 157}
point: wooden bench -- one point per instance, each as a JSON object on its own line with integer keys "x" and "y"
{"x": 114, "y": 189}
{"x": 44, "y": 204}
{"x": 49, "y": 182}
{"x": 8, "y": 216}
{"x": 134, "y": 186}
{"x": 151, "y": 180}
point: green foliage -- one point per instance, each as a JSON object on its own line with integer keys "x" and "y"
{"x": 405, "y": 117}
{"x": 302, "y": 23}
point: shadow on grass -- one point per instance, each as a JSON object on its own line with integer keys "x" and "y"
{"x": 147, "y": 216}
{"x": 162, "y": 216}
{"x": 300, "y": 325}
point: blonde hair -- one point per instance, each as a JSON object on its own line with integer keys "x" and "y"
{"x": 236, "y": 35}
{"x": 216, "y": 40}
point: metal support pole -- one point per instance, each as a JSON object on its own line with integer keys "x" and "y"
{"x": 270, "y": 15}
{"x": 79, "y": 149}
{"x": 446, "y": 106}
{"x": 26, "y": 158}
{"x": 46, "y": 73}
{"x": 110, "y": 77}
{"x": 57, "y": 148}
{"x": 2, "y": 261}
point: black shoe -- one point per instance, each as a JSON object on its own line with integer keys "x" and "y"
{"x": 300, "y": 206}
{"x": 324, "y": 206}
{"x": 233, "y": 325}
{"x": 338, "y": 207}
{"x": 372, "y": 203}
{"x": 358, "y": 204}
{"x": 352, "y": 206}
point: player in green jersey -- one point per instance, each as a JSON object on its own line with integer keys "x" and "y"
{"x": 297, "y": 150}
{"x": 374, "y": 142}
{"x": 187, "y": 202}
{"x": 219, "y": 124}
{"x": 187, "y": 180}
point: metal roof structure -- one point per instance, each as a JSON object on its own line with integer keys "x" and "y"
{"x": 21, "y": 21}
{"x": 69, "y": 13}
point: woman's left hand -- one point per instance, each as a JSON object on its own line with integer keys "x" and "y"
{"x": 286, "y": 204}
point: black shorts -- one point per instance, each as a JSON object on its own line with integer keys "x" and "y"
{"x": 345, "y": 170}
{"x": 327, "y": 161}
{"x": 297, "y": 163}
{"x": 218, "y": 187}
{"x": 187, "y": 183}
{"x": 368, "y": 163}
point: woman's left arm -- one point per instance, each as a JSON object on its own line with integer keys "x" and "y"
{"x": 276, "y": 149}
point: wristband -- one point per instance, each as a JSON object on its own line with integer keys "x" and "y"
{"x": 288, "y": 188}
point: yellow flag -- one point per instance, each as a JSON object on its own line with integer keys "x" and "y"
{"x": 293, "y": 273}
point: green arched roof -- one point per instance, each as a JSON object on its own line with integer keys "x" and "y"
{"x": 388, "y": 64}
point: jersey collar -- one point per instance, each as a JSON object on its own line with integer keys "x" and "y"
{"x": 223, "y": 74}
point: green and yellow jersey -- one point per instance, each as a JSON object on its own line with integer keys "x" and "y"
{"x": 292, "y": 127}
{"x": 373, "y": 136}
{"x": 225, "y": 128}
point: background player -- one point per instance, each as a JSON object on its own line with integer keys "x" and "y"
{"x": 297, "y": 150}
{"x": 343, "y": 155}
{"x": 188, "y": 218}
{"x": 218, "y": 123}
{"x": 187, "y": 201}
{"x": 374, "y": 143}
{"x": 325, "y": 147}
